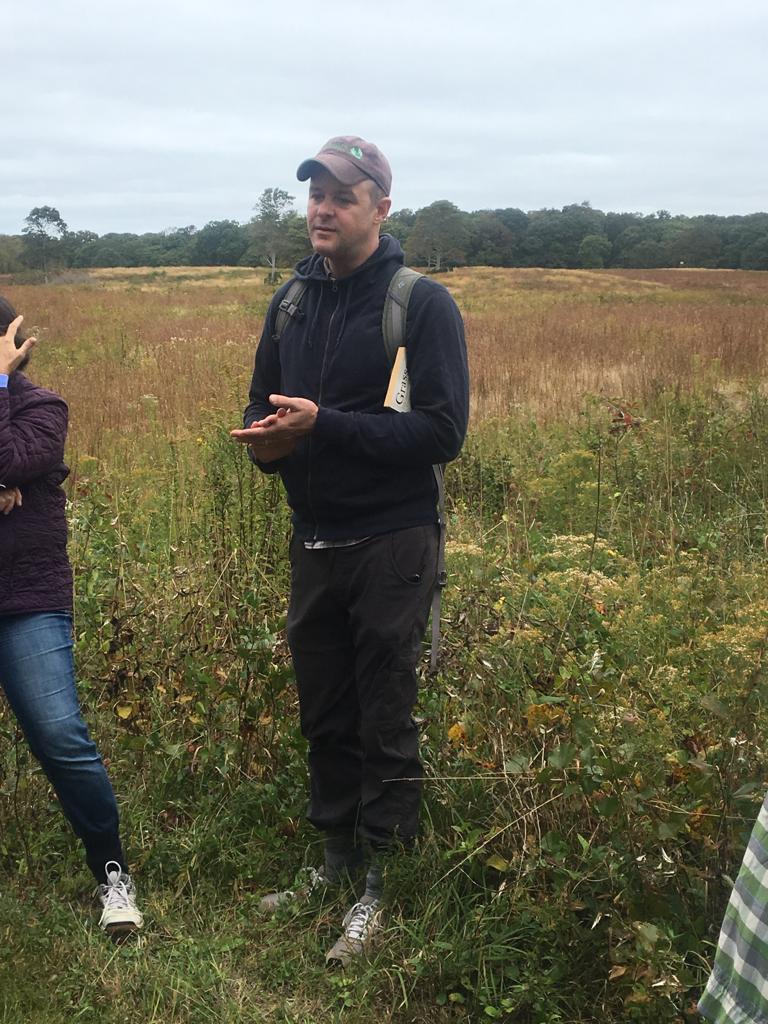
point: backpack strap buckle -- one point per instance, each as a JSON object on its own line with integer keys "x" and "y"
{"x": 291, "y": 309}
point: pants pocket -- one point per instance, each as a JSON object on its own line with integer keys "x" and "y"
{"x": 413, "y": 555}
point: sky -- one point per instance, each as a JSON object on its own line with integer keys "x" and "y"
{"x": 143, "y": 116}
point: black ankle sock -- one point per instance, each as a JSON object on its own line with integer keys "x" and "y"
{"x": 99, "y": 851}
{"x": 374, "y": 880}
{"x": 343, "y": 855}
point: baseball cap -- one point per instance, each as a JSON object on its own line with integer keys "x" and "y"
{"x": 350, "y": 159}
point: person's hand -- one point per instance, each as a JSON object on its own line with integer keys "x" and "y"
{"x": 10, "y": 497}
{"x": 263, "y": 443}
{"x": 295, "y": 417}
{"x": 10, "y": 356}
{"x": 277, "y": 434}
{"x": 263, "y": 446}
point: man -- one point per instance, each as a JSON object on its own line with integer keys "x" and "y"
{"x": 360, "y": 482}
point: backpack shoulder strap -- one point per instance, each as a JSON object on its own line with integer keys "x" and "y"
{"x": 442, "y": 577}
{"x": 289, "y": 307}
{"x": 393, "y": 329}
{"x": 396, "y": 309}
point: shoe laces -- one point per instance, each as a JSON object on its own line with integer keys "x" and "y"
{"x": 358, "y": 920}
{"x": 117, "y": 893}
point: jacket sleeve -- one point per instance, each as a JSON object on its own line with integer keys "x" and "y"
{"x": 32, "y": 440}
{"x": 433, "y": 431}
{"x": 265, "y": 380}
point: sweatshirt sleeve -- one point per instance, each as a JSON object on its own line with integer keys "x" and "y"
{"x": 265, "y": 380}
{"x": 433, "y": 431}
{"x": 32, "y": 440}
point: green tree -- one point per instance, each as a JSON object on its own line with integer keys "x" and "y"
{"x": 544, "y": 244}
{"x": 176, "y": 245}
{"x": 122, "y": 250}
{"x": 399, "y": 225}
{"x": 220, "y": 243}
{"x": 575, "y": 223}
{"x": 755, "y": 256}
{"x": 695, "y": 243}
{"x": 44, "y": 234}
{"x": 79, "y": 247}
{"x": 11, "y": 253}
{"x": 490, "y": 240}
{"x": 516, "y": 222}
{"x": 268, "y": 231}
{"x": 616, "y": 223}
{"x": 594, "y": 251}
{"x": 297, "y": 244}
{"x": 439, "y": 237}
{"x": 639, "y": 246}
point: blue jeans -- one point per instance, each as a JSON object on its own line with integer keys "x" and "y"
{"x": 38, "y": 676}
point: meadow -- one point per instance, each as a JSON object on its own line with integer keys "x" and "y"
{"x": 594, "y": 739}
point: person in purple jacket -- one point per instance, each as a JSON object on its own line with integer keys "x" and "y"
{"x": 36, "y": 663}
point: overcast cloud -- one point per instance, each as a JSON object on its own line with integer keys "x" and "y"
{"x": 145, "y": 115}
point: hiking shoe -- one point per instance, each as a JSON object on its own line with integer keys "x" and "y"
{"x": 120, "y": 916}
{"x": 313, "y": 883}
{"x": 362, "y": 925}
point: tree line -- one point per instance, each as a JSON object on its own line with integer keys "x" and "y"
{"x": 439, "y": 236}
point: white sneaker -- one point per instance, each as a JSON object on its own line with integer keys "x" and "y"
{"x": 120, "y": 916}
{"x": 362, "y": 925}
{"x": 313, "y": 883}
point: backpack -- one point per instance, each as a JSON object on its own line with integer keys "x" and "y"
{"x": 393, "y": 320}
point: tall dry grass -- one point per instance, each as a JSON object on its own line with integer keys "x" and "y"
{"x": 142, "y": 361}
{"x": 143, "y": 352}
{"x": 541, "y": 340}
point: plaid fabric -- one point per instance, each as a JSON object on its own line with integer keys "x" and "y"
{"x": 737, "y": 991}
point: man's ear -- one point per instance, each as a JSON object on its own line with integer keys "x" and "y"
{"x": 382, "y": 209}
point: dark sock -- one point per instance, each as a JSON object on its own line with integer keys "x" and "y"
{"x": 379, "y": 854}
{"x": 343, "y": 855}
{"x": 374, "y": 880}
{"x": 99, "y": 850}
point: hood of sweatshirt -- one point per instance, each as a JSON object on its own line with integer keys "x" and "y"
{"x": 313, "y": 270}
{"x": 313, "y": 267}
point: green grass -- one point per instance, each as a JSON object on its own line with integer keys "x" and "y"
{"x": 593, "y": 741}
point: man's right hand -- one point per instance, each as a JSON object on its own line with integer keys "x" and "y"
{"x": 10, "y": 356}
{"x": 262, "y": 444}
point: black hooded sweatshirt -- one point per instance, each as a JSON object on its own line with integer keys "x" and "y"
{"x": 364, "y": 469}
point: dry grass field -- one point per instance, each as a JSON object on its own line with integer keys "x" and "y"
{"x": 157, "y": 347}
{"x": 594, "y": 740}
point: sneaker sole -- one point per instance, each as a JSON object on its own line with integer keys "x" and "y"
{"x": 342, "y": 953}
{"x": 121, "y": 931}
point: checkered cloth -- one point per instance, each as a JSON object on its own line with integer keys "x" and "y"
{"x": 737, "y": 991}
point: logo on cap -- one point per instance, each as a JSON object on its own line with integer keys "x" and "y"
{"x": 344, "y": 147}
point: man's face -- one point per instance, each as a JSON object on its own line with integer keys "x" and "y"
{"x": 344, "y": 220}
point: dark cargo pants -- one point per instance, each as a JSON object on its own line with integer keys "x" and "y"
{"x": 356, "y": 619}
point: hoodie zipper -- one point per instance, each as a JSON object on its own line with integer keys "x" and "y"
{"x": 334, "y": 289}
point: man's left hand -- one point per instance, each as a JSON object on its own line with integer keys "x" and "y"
{"x": 9, "y": 498}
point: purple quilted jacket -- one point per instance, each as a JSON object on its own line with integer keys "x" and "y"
{"x": 35, "y": 574}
